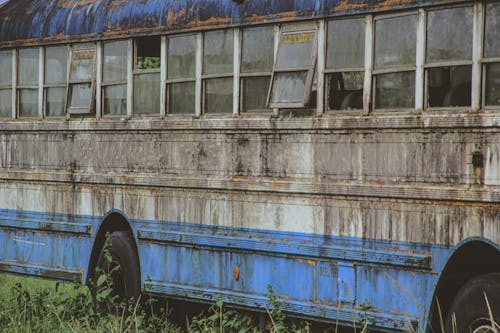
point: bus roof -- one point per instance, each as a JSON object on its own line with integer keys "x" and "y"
{"x": 32, "y": 22}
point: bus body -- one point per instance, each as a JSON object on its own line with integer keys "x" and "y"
{"x": 344, "y": 152}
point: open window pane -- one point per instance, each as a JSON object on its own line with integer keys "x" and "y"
{"x": 254, "y": 93}
{"x": 449, "y": 34}
{"x": 5, "y": 103}
{"x": 148, "y": 51}
{"x": 219, "y": 95}
{"x": 80, "y": 95}
{"x": 55, "y": 101}
{"x": 346, "y": 44}
{"x": 449, "y": 86}
{"x": 82, "y": 63}
{"x": 218, "y": 52}
{"x": 28, "y": 103}
{"x": 395, "y": 90}
{"x": 181, "y": 98}
{"x": 147, "y": 93}
{"x": 257, "y": 52}
{"x": 181, "y": 59}
{"x": 115, "y": 62}
{"x": 28, "y": 67}
{"x": 295, "y": 50}
{"x": 56, "y": 64}
{"x": 492, "y": 31}
{"x": 289, "y": 87}
{"x": 345, "y": 90}
{"x": 6, "y": 68}
{"x": 395, "y": 41}
{"x": 115, "y": 100}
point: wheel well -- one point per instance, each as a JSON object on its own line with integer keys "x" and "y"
{"x": 111, "y": 223}
{"x": 472, "y": 259}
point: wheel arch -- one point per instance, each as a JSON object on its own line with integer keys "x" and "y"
{"x": 462, "y": 265}
{"x": 114, "y": 220}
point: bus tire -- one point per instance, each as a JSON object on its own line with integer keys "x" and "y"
{"x": 126, "y": 280}
{"x": 469, "y": 305}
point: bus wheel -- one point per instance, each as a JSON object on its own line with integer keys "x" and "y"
{"x": 469, "y": 309}
{"x": 117, "y": 275}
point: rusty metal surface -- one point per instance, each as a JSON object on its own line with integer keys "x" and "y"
{"x": 41, "y": 21}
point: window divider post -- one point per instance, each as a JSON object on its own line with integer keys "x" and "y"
{"x": 236, "y": 71}
{"x": 321, "y": 68}
{"x": 163, "y": 76}
{"x": 41, "y": 60}
{"x": 477, "y": 55}
{"x": 199, "y": 65}
{"x": 98, "y": 95}
{"x": 276, "y": 46}
{"x": 367, "y": 84}
{"x": 130, "y": 77}
{"x": 14, "y": 83}
{"x": 420, "y": 61}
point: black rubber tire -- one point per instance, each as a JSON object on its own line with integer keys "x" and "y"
{"x": 127, "y": 283}
{"x": 469, "y": 305}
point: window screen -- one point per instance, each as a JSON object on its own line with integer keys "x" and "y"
{"x": 27, "y": 82}
{"x": 294, "y": 67}
{"x": 6, "y": 83}
{"x": 345, "y": 61}
{"x": 257, "y": 57}
{"x": 218, "y": 71}
{"x": 394, "y": 62}
{"x": 55, "y": 80}
{"x": 114, "y": 78}
{"x": 449, "y": 57}
{"x": 181, "y": 74}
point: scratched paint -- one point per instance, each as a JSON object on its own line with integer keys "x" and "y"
{"x": 26, "y": 21}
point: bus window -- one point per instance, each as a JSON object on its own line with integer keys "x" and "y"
{"x": 345, "y": 61}
{"x": 492, "y": 55}
{"x": 181, "y": 74}
{"x": 257, "y": 56}
{"x": 6, "y": 84}
{"x": 449, "y": 40}
{"x": 218, "y": 71}
{"x": 147, "y": 75}
{"x": 294, "y": 67}
{"x": 27, "y": 82}
{"x": 55, "y": 77}
{"x": 394, "y": 62}
{"x": 114, "y": 78}
{"x": 81, "y": 79}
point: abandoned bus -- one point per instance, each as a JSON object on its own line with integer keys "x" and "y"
{"x": 347, "y": 153}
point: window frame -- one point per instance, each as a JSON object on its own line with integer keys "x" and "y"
{"x": 85, "y": 47}
{"x": 452, "y": 63}
{"x": 126, "y": 82}
{"x": 35, "y": 87}
{"x": 290, "y": 29}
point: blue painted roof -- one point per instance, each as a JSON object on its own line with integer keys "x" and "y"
{"x": 49, "y": 21}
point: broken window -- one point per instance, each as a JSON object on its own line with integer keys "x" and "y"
{"x": 27, "y": 82}
{"x": 147, "y": 75}
{"x": 181, "y": 74}
{"x": 294, "y": 67}
{"x": 81, "y": 85}
{"x": 218, "y": 71}
{"x": 55, "y": 80}
{"x": 345, "y": 62}
{"x": 257, "y": 55}
{"x": 449, "y": 57}
{"x": 492, "y": 55}
{"x": 394, "y": 62}
{"x": 114, "y": 78}
{"x": 6, "y": 83}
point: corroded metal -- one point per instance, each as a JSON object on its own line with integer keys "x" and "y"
{"x": 24, "y": 22}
